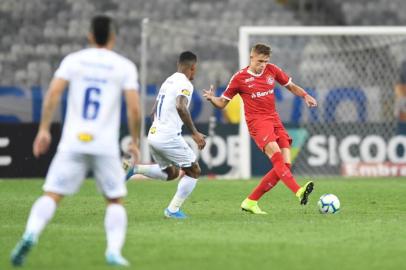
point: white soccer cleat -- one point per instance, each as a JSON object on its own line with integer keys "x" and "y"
{"x": 116, "y": 259}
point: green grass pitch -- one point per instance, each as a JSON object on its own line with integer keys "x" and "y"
{"x": 369, "y": 232}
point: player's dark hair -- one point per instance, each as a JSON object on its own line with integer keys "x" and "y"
{"x": 262, "y": 49}
{"x": 187, "y": 58}
{"x": 102, "y": 27}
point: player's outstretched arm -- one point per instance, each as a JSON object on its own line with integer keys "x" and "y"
{"x": 51, "y": 101}
{"x": 218, "y": 102}
{"x": 184, "y": 114}
{"x": 132, "y": 99}
{"x": 299, "y": 91}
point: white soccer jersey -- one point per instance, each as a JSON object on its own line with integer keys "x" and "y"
{"x": 97, "y": 78}
{"x": 167, "y": 122}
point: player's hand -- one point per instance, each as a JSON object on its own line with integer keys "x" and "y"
{"x": 135, "y": 152}
{"x": 310, "y": 101}
{"x": 199, "y": 140}
{"x": 208, "y": 94}
{"x": 41, "y": 143}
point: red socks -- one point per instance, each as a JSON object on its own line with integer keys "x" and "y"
{"x": 267, "y": 183}
{"x": 281, "y": 171}
{"x": 284, "y": 172}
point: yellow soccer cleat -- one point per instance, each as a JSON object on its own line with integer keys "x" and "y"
{"x": 304, "y": 192}
{"x": 252, "y": 207}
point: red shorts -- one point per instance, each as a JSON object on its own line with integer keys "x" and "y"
{"x": 269, "y": 130}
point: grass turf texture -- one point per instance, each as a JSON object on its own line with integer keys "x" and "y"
{"x": 369, "y": 232}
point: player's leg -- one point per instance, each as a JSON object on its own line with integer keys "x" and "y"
{"x": 172, "y": 172}
{"x": 41, "y": 213}
{"x": 153, "y": 171}
{"x": 162, "y": 170}
{"x": 115, "y": 223}
{"x": 274, "y": 153}
{"x": 110, "y": 181}
{"x": 64, "y": 177}
{"x": 186, "y": 186}
{"x": 269, "y": 181}
{"x": 266, "y": 184}
{"x": 182, "y": 155}
{"x": 284, "y": 141}
{"x": 263, "y": 134}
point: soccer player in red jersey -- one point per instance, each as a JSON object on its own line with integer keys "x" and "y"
{"x": 255, "y": 84}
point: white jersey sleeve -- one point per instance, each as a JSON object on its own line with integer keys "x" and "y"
{"x": 185, "y": 89}
{"x": 130, "y": 81}
{"x": 65, "y": 69}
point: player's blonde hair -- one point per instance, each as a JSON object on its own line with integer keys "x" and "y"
{"x": 260, "y": 48}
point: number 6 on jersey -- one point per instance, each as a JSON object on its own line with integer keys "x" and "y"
{"x": 92, "y": 104}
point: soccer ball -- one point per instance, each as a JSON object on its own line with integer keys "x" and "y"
{"x": 328, "y": 204}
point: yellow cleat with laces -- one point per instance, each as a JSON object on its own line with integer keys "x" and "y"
{"x": 252, "y": 207}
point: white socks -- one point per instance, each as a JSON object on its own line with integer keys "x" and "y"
{"x": 152, "y": 171}
{"x": 115, "y": 223}
{"x": 41, "y": 213}
{"x": 185, "y": 187}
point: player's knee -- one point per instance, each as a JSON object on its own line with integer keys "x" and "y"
{"x": 172, "y": 176}
{"x": 173, "y": 173}
{"x": 114, "y": 200}
{"x": 197, "y": 171}
{"x": 271, "y": 148}
{"x": 54, "y": 196}
{"x": 194, "y": 171}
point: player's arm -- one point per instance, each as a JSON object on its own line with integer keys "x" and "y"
{"x": 299, "y": 91}
{"x": 184, "y": 114}
{"x": 218, "y": 102}
{"x": 51, "y": 101}
{"x": 132, "y": 99}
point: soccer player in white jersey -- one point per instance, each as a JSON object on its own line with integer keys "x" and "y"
{"x": 167, "y": 146}
{"x": 97, "y": 78}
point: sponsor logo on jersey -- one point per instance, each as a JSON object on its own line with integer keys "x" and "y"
{"x": 270, "y": 80}
{"x": 85, "y": 137}
{"x": 261, "y": 94}
{"x": 185, "y": 92}
{"x": 251, "y": 79}
{"x": 152, "y": 130}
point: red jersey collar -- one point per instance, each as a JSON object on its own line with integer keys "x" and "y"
{"x": 254, "y": 74}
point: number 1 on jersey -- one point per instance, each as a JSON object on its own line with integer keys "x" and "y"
{"x": 159, "y": 107}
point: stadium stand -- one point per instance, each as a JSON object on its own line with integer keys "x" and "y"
{"x": 37, "y": 33}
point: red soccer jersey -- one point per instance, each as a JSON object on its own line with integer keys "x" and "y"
{"x": 257, "y": 91}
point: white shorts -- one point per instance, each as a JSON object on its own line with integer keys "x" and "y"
{"x": 172, "y": 151}
{"x": 68, "y": 171}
